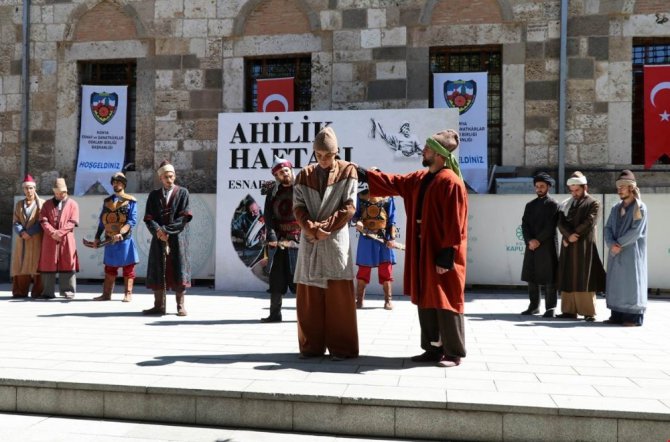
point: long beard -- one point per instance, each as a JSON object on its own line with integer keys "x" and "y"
{"x": 427, "y": 162}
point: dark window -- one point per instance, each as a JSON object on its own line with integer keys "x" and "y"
{"x": 645, "y": 51}
{"x": 298, "y": 67}
{"x": 476, "y": 59}
{"x": 116, "y": 73}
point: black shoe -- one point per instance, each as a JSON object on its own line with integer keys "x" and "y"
{"x": 272, "y": 318}
{"x": 589, "y": 318}
{"x": 449, "y": 361}
{"x": 531, "y": 311}
{"x": 567, "y": 316}
{"x": 549, "y": 313}
{"x": 427, "y": 356}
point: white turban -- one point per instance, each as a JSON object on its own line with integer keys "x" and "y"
{"x": 166, "y": 168}
{"x": 577, "y": 181}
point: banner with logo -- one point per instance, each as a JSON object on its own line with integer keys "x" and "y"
{"x": 495, "y": 239}
{"x": 468, "y": 92}
{"x": 102, "y": 138}
{"x": 247, "y": 143}
{"x": 275, "y": 94}
{"x": 656, "y": 113}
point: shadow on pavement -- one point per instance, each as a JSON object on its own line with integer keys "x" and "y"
{"x": 286, "y": 361}
{"x": 214, "y": 322}
{"x": 93, "y": 315}
{"x": 533, "y": 321}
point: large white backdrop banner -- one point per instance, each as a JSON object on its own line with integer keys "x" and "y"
{"x": 468, "y": 92}
{"x": 102, "y": 140}
{"x": 389, "y": 139}
{"x": 200, "y": 233}
{"x": 495, "y": 239}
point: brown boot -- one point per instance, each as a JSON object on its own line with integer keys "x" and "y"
{"x": 181, "y": 311}
{"x": 360, "y": 292}
{"x": 128, "y": 289}
{"x": 159, "y": 305}
{"x": 107, "y": 288}
{"x": 387, "y": 286}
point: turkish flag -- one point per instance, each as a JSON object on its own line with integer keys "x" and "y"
{"x": 275, "y": 94}
{"x": 656, "y": 113}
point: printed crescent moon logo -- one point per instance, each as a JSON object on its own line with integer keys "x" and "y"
{"x": 658, "y": 88}
{"x": 282, "y": 99}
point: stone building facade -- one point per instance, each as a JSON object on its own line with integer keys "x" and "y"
{"x": 189, "y": 60}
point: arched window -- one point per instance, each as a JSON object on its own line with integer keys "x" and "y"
{"x": 297, "y": 66}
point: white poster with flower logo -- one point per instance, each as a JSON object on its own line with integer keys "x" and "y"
{"x": 468, "y": 92}
{"x": 102, "y": 138}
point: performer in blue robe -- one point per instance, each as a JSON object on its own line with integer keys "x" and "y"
{"x": 375, "y": 221}
{"x": 118, "y": 218}
{"x": 626, "y": 240}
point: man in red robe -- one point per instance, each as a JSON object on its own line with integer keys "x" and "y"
{"x": 58, "y": 218}
{"x": 436, "y": 203}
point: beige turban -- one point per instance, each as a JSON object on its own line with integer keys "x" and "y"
{"x": 326, "y": 140}
{"x": 165, "y": 167}
{"x": 60, "y": 185}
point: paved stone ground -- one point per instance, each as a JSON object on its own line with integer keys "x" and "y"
{"x": 34, "y": 428}
{"x": 527, "y": 363}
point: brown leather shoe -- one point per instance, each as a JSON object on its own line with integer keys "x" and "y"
{"x": 159, "y": 305}
{"x": 128, "y": 289}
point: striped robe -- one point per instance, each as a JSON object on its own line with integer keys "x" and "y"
{"x": 26, "y": 252}
{"x": 331, "y": 258}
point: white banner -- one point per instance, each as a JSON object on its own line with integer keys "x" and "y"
{"x": 389, "y": 139}
{"x": 102, "y": 139}
{"x": 468, "y": 92}
{"x": 496, "y": 249}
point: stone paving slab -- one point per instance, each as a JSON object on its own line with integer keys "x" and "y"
{"x": 40, "y": 428}
{"x": 221, "y": 366}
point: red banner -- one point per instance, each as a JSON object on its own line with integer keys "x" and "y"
{"x": 656, "y": 113}
{"x": 275, "y": 94}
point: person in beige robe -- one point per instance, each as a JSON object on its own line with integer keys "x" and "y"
{"x": 580, "y": 271}
{"x": 26, "y": 250}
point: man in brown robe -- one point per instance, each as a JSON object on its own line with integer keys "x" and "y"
{"x": 58, "y": 217}
{"x": 436, "y": 203}
{"x": 580, "y": 270}
{"x": 324, "y": 200}
{"x": 26, "y": 252}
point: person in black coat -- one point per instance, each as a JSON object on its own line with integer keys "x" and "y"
{"x": 540, "y": 260}
{"x": 167, "y": 216}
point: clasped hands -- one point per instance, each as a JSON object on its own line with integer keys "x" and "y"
{"x": 162, "y": 235}
{"x": 572, "y": 238}
{"x": 320, "y": 233}
{"x": 533, "y": 244}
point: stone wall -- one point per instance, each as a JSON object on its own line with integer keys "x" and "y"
{"x": 365, "y": 54}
